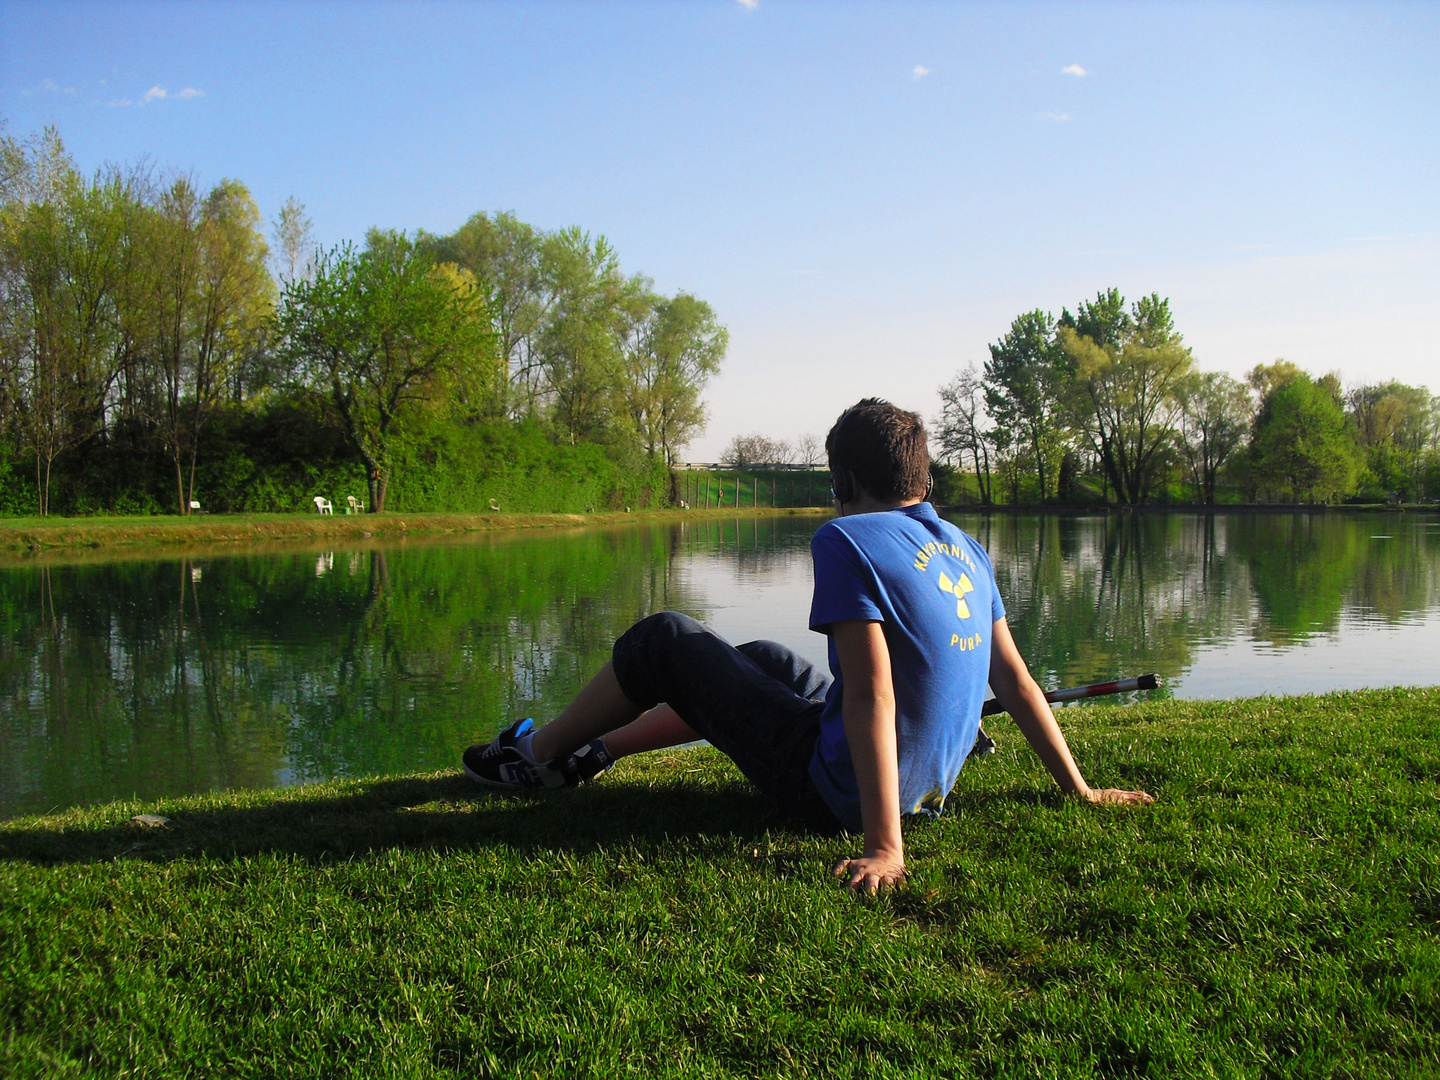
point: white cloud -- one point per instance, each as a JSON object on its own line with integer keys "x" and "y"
{"x": 49, "y": 86}
{"x": 1074, "y": 69}
{"x": 157, "y": 93}
{"x": 1055, "y": 117}
{"x": 920, "y": 71}
{"x": 749, "y": 5}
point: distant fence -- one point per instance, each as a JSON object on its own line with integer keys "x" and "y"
{"x": 702, "y": 487}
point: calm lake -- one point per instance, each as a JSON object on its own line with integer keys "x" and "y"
{"x": 151, "y": 677}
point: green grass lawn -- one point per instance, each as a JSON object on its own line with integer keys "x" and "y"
{"x": 29, "y": 538}
{"x": 1276, "y": 913}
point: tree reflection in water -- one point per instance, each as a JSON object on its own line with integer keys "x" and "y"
{"x": 149, "y": 677}
{"x": 1094, "y": 596}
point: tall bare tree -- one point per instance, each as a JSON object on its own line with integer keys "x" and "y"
{"x": 293, "y": 232}
{"x": 810, "y": 450}
{"x": 750, "y": 451}
{"x": 962, "y": 429}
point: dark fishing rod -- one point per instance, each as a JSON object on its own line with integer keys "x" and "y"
{"x": 984, "y": 744}
{"x": 1077, "y": 693}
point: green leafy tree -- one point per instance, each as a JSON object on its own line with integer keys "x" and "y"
{"x": 1264, "y": 379}
{"x": 504, "y": 255}
{"x": 1302, "y": 447}
{"x": 207, "y": 300}
{"x": 1024, "y": 378}
{"x": 169, "y": 272}
{"x": 1394, "y": 424}
{"x": 64, "y": 253}
{"x": 236, "y": 303}
{"x": 1215, "y": 418}
{"x": 677, "y": 347}
{"x": 380, "y": 330}
{"x": 1125, "y": 397}
{"x": 593, "y": 308}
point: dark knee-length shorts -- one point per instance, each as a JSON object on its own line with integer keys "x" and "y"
{"x": 758, "y": 703}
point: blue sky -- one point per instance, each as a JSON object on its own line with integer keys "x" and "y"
{"x": 866, "y": 193}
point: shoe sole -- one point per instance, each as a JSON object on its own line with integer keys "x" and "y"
{"x": 482, "y": 781}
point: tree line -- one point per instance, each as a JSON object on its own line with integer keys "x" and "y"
{"x": 1107, "y": 404}
{"x": 148, "y": 327}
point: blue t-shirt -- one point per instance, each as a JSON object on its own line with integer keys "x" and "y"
{"x": 933, "y": 589}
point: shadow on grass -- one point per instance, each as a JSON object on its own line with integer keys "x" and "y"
{"x": 446, "y": 812}
{"x": 443, "y": 813}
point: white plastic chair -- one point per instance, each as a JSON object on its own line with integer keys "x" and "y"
{"x": 322, "y": 505}
{"x": 195, "y": 507}
{"x": 356, "y": 506}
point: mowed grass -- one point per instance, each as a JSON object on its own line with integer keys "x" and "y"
{"x": 1276, "y": 913}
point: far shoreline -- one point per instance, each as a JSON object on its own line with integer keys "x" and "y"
{"x": 24, "y": 540}
{"x": 1191, "y": 508}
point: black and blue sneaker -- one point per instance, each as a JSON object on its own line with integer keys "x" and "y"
{"x": 585, "y": 764}
{"x": 506, "y": 762}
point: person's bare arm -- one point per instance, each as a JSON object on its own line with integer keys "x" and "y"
{"x": 868, "y": 711}
{"x": 1025, "y": 702}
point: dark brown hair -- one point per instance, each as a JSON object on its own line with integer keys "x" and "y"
{"x": 884, "y": 446}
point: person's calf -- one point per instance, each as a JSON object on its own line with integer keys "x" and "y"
{"x": 597, "y": 710}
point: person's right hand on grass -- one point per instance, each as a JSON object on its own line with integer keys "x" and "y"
{"x": 871, "y": 874}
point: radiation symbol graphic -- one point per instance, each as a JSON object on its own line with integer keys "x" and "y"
{"x": 959, "y": 588}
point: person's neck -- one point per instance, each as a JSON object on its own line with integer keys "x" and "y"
{"x": 865, "y": 503}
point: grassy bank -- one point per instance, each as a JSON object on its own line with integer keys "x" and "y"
{"x": 29, "y": 537}
{"x": 1276, "y": 913}
{"x": 32, "y": 536}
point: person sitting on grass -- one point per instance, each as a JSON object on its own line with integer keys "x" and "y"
{"x": 915, "y": 626}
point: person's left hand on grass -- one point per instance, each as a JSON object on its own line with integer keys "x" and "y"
{"x": 1118, "y": 797}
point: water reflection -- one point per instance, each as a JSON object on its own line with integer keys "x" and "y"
{"x": 154, "y": 677}
{"x": 1089, "y": 595}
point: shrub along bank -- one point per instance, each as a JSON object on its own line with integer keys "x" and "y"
{"x": 276, "y": 460}
{"x": 1275, "y": 913}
